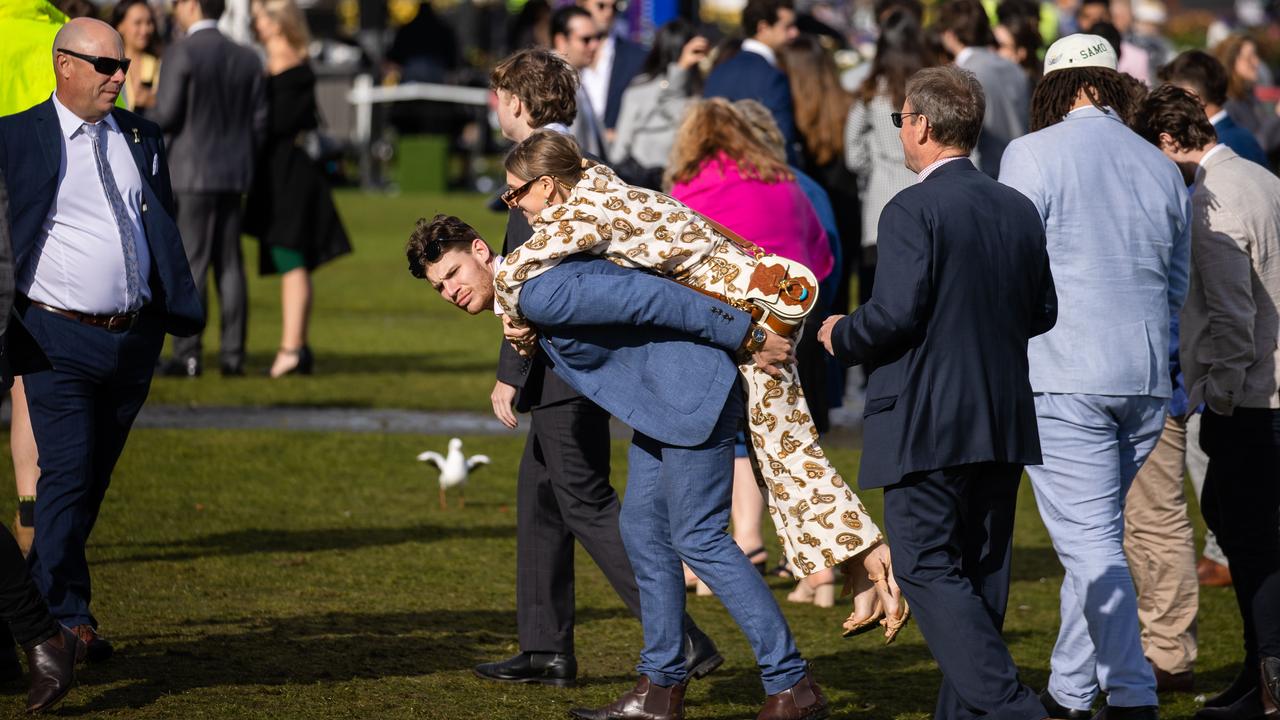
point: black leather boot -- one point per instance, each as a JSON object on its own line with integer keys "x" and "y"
{"x": 556, "y": 669}
{"x": 701, "y": 657}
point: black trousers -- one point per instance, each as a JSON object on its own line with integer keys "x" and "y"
{"x": 210, "y": 227}
{"x": 564, "y": 494}
{"x": 21, "y": 605}
{"x": 1241, "y": 505}
{"x": 952, "y": 536}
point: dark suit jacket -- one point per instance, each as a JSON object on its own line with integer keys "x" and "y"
{"x": 748, "y": 75}
{"x": 962, "y": 282}
{"x": 212, "y": 106}
{"x": 628, "y": 61}
{"x": 30, "y": 159}
{"x": 1231, "y": 134}
{"x": 538, "y": 385}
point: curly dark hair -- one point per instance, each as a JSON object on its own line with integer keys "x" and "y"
{"x": 1170, "y": 109}
{"x": 544, "y": 82}
{"x": 430, "y": 239}
{"x": 1056, "y": 94}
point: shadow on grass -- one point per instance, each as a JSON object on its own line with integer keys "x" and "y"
{"x": 305, "y": 650}
{"x": 332, "y": 363}
{"x": 271, "y": 540}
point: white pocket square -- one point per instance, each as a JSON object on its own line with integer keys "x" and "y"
{"x": 155, "y": 164}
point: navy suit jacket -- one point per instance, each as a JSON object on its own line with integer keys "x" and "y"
{"x": 30, "y": 158}
{"x": 653, "y": 353}
{"x": 1240, "y": 140}
{"x": 748, "y": 75}
{"x": 962, "y": 283}
{"x": 628, "y": 61}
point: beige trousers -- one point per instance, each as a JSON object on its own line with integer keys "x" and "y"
{"x": 1159, "y": 544}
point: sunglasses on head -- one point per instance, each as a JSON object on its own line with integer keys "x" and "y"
{"x": 102, "y": 65}
{"x": 897, "y": 117}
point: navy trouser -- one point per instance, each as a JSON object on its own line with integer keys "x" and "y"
{"x": 81, "y": 412}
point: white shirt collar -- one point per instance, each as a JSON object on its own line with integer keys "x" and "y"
{"x": 70, "y": 123}
{"x": 202, "y": 25}
{"x": 937, "y": 164}
{"x": 755, "y": 46}
{"x": 964, "y": 54}
{"x": 1218, "y": 117}
{"x": 557, "y": 127}
{"x": 498, "y": 261}
{"x": 1212, "y": 151}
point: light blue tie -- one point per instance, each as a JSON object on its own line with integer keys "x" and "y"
{"x": 133, "y": 280}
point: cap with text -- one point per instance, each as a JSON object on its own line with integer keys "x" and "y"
{"x": 1079, "y": 51}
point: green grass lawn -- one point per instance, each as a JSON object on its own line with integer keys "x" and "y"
{"x": 299, "y": 575}
{"x": 381, "y": 338}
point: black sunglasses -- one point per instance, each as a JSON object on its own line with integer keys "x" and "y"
{"x": 102, "y": 65}
{"x": 897, "y": 117}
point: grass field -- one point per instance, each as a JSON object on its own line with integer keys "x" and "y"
{"x": 251, "y": 574}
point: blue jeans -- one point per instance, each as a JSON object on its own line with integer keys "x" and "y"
{"x": 1093, "y": 446}
{"x": 677, "y": 508}
{"x": 81, "y": 413}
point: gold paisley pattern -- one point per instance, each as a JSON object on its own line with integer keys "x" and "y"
{"x": 651, "y": 231}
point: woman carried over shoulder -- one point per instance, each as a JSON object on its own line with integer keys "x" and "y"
{"x": 576, "y": 206}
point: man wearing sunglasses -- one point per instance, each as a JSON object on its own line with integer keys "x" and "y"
{"x": 618, "y": 61}
{"x": 211, "y": 104}
{"x": 101, "y": 276}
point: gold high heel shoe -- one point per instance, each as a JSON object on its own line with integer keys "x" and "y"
{"x": 881, "y": 577}
{"x": 863, "y": 592}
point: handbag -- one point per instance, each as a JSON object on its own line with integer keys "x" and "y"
{"x": 780, "y": 292}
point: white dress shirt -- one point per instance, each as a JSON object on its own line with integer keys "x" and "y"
{"x": 753, "y": 45}
{"x": 595, "y": 78}
{"x": 78, "y": 259}
{"x": 202, "y": 25}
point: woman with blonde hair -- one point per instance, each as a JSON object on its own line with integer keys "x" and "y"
{"x": 290, "y": 208}
{"x": 575, "y": 206}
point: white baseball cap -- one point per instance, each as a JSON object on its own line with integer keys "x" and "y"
{"x": 1079, "y": 51}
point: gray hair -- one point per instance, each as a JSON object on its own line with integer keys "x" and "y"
{"x": 953, "y": 102}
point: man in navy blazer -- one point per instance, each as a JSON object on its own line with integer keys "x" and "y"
{"x": 657, "y": 356}
{"x": 753, "y": 73}
{"x": 618, "y": 61}
{"x": 962, "y": 284}
{"x": 101, "y": 277}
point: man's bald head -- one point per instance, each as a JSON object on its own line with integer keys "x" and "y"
{"x": 80, "y": 87}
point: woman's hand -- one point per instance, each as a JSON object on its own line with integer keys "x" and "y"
{"x": 693, "y": 52}
{"x": 522, "y": 336}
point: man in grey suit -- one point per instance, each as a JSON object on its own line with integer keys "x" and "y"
{"x": 1229, "y": 355}
{"x": 966, "y": 34}
{"x": 212, "y": 107}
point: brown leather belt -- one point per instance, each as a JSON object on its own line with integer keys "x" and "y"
{"x": 111, "y": 323}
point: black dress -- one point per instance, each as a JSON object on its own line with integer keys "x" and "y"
{"x": 290, "y": 205}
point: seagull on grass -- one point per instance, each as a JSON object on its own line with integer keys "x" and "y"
{"x": 454, "y": 468}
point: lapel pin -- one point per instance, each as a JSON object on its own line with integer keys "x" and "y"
{"x": 136, "y": 139}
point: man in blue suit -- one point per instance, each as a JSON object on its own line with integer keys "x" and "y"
{"x": 962, "y": 284}
{"x": 101, "y": 277}
{"x": 1202, "y": 75}
{"x": 657, "y": 356}
{"x": 753, "y": 73}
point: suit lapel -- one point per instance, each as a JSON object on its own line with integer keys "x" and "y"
{"x": 49, "y": 135}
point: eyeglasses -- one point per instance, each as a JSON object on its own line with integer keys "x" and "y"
{"x": 512, "y": 197}
{"x": 102, "y": 65}
{"x": 897, "y": 117}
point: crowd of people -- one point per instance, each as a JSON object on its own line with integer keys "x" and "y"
{"x": 1065, "y": 258}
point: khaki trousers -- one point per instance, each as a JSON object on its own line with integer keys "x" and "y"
{"x": 1159, "y": 544}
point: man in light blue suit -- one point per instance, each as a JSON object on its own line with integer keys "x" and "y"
{"x": 1116, "y": 217}
{"x": 657, "y": 356}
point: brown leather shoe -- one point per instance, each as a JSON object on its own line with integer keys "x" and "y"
{"x": 53, "y": 668}
{"x": 94, "y": 647}
{"x": 1213, "y": 574}
{"x": 802, "y": 701}
{"x": 646, "y": 701}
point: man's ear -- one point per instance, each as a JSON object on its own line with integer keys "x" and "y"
{"x": 1167, "y": 141}
{"x": 480, "y": 249}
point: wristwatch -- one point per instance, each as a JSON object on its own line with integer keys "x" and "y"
{"x": 754, "y": 340}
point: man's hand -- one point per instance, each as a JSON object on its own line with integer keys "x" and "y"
{"x": 521, "y": 335}
{"x": 777, "y": 353}
{"x": 503, "y": 397}
{"x": 824, "y": 332}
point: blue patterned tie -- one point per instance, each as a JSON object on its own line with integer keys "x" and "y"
{"x": 133, "y": 281}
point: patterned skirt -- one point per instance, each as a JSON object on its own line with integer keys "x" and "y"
{"x": 820, "y": 521}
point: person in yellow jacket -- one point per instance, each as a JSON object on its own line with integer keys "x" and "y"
{"x": 27, "y": 28}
